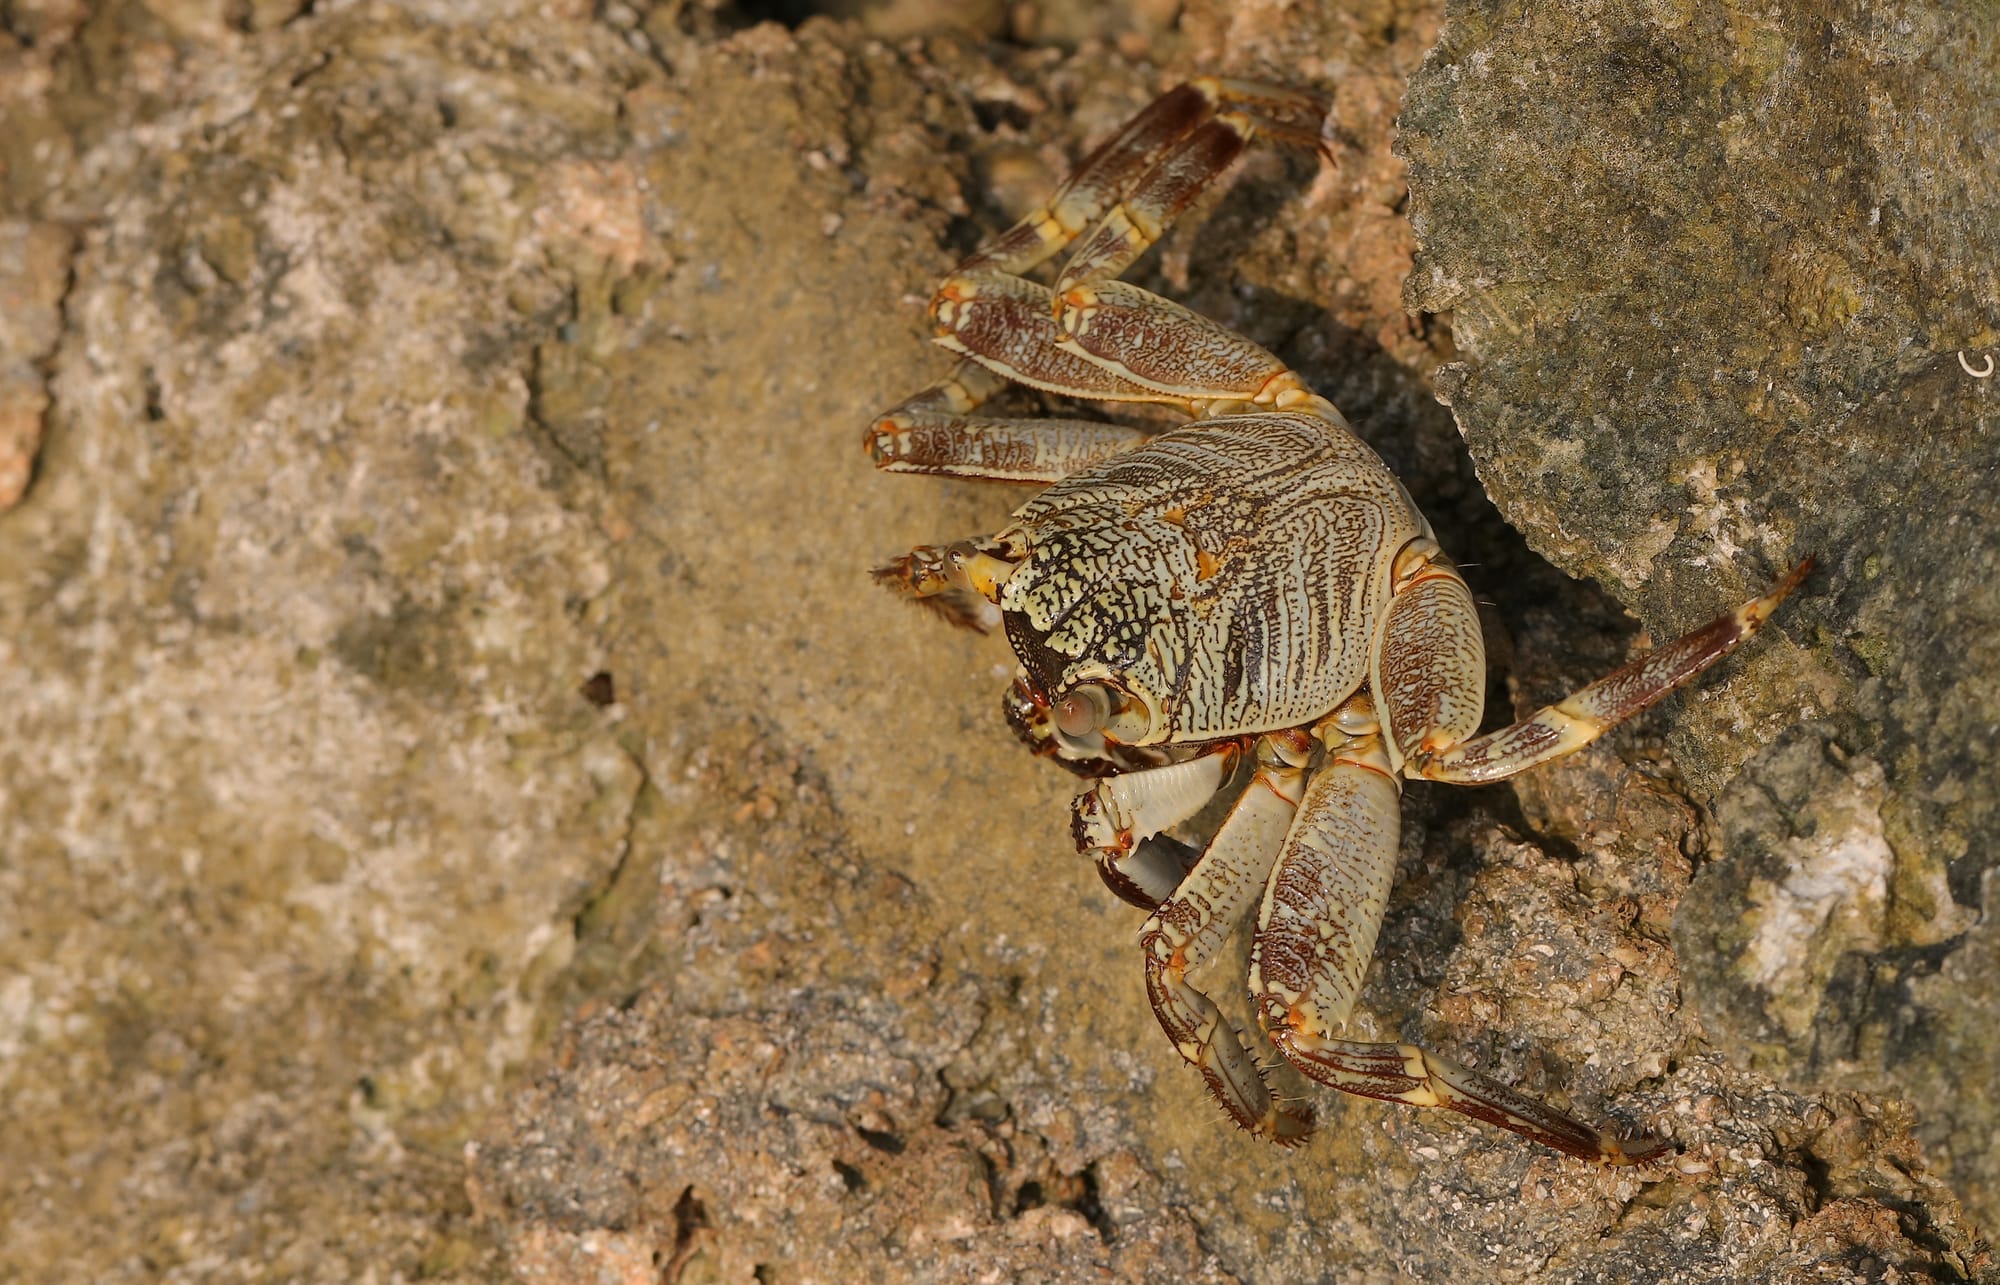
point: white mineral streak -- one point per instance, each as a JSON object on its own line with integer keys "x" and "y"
{"x": 1833, "y": 900}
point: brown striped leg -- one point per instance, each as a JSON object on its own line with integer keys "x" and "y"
{"x": 1575, "y": 722}
{"x": 1119, "y": 819}
{"x": 1430, "y": 668}
{"x": 1418, "y": 1077}
{"x": 1316, "y": 934}
{"x": 1190, "y": 926}
{"x": 1182, "y": 356}
{"x": 1129, "y": 188}
{"x": 1162, "y": 194}
{"x": 1115, "y": 342}
{"x": 936, "y": 433}
{"x": 1123, "y": 163}
{"x": 1125, "y": 194}
{"x": 1007, "y": 325}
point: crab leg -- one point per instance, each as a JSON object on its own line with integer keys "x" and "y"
{"x": 934, "y": 432}
{"x": 1136, "y": 335}
{"x": 1125, "y": 194}
{"x": 1417, "y": 1077}
{"x": 1008, "y": 325}
{"x": 1430, "y": 669}
{"x": 1316, "y": 932}
{"x": 1188, "y": 928}
{"x": 1585, "y": 715}
{"x": 1162, "y": 194}
{"x": 1123, "y": 163}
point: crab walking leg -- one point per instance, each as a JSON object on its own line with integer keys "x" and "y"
{"x": 1430, "y": 667}
{"x": 1418, "y": 1077}
{"x": 1184, "y": 170}
{"x": 1188, "y": 928}
{"x": 1316, "y": 933}
{"x": 1007, "y": 325}
{"x": 1097, "y": 183}
{"x": 1324, "y": 903}
{"x": 935, "y": 432}
{"x": 1585, "y": 715}
{"x": 1118, "y": 820}
{"x": 1161, "y": 195}
{"x": 1155, "y": 343}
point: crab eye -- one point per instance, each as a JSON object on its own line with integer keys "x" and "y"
{"x": 1083, "y": 710}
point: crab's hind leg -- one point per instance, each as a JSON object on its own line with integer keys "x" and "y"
{"x": 1444, "y": 755}
{"x": 1124, "y": 195}
{"x": 1097, "y": 338}
{"x": 1125, "y": 161}
{"x": 1191, "y": 925}
{"x": 1316, "y": 932}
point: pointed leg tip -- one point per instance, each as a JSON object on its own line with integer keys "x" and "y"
{"x": 1623, "y": 1150}
{"x": 1755, "y": 613}
{"x": 1289, "y": 1129}
{"x": 1795, "y": 577}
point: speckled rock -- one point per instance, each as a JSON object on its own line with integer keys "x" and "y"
{"x": 34, "y": 273}
{"x": 1727, "y": 281}
{"x": 465, "y": 813}
{"x": 298, "y": 791}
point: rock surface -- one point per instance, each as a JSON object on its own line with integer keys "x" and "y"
{"x": 465, "y": 812}
{"x": 1728, "y": 284}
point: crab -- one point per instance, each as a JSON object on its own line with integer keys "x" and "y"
{"x": 1251, "y": 593}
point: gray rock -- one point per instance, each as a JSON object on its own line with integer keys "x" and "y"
{"x": 464, "y": 809}
{"x": 1725, "y": 281}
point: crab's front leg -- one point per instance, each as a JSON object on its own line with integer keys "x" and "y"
{"x": 1323, "y": 907}
{"x": 1189, "y": 926}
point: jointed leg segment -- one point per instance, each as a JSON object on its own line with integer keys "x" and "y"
{"x": 1316, "y": 935}
{"x": 1127, "y": 163}
{"x": 935, "y": 433}
{"x": 1581, "y": 718}
{"x": 1188, "y": 928}
{"x": 1093, "y": 337}
{"x": 1417, "y": 1077}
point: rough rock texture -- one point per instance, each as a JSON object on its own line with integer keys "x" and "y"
{"x": 1727, "y": 279}
{"x": 34, "y": 272}
{"x": 464, "y": 812}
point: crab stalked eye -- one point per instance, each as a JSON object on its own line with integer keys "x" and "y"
{"x": 1082, "y": 710}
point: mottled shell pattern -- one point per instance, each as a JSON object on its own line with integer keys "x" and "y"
{"x": 1229, "y": 575}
